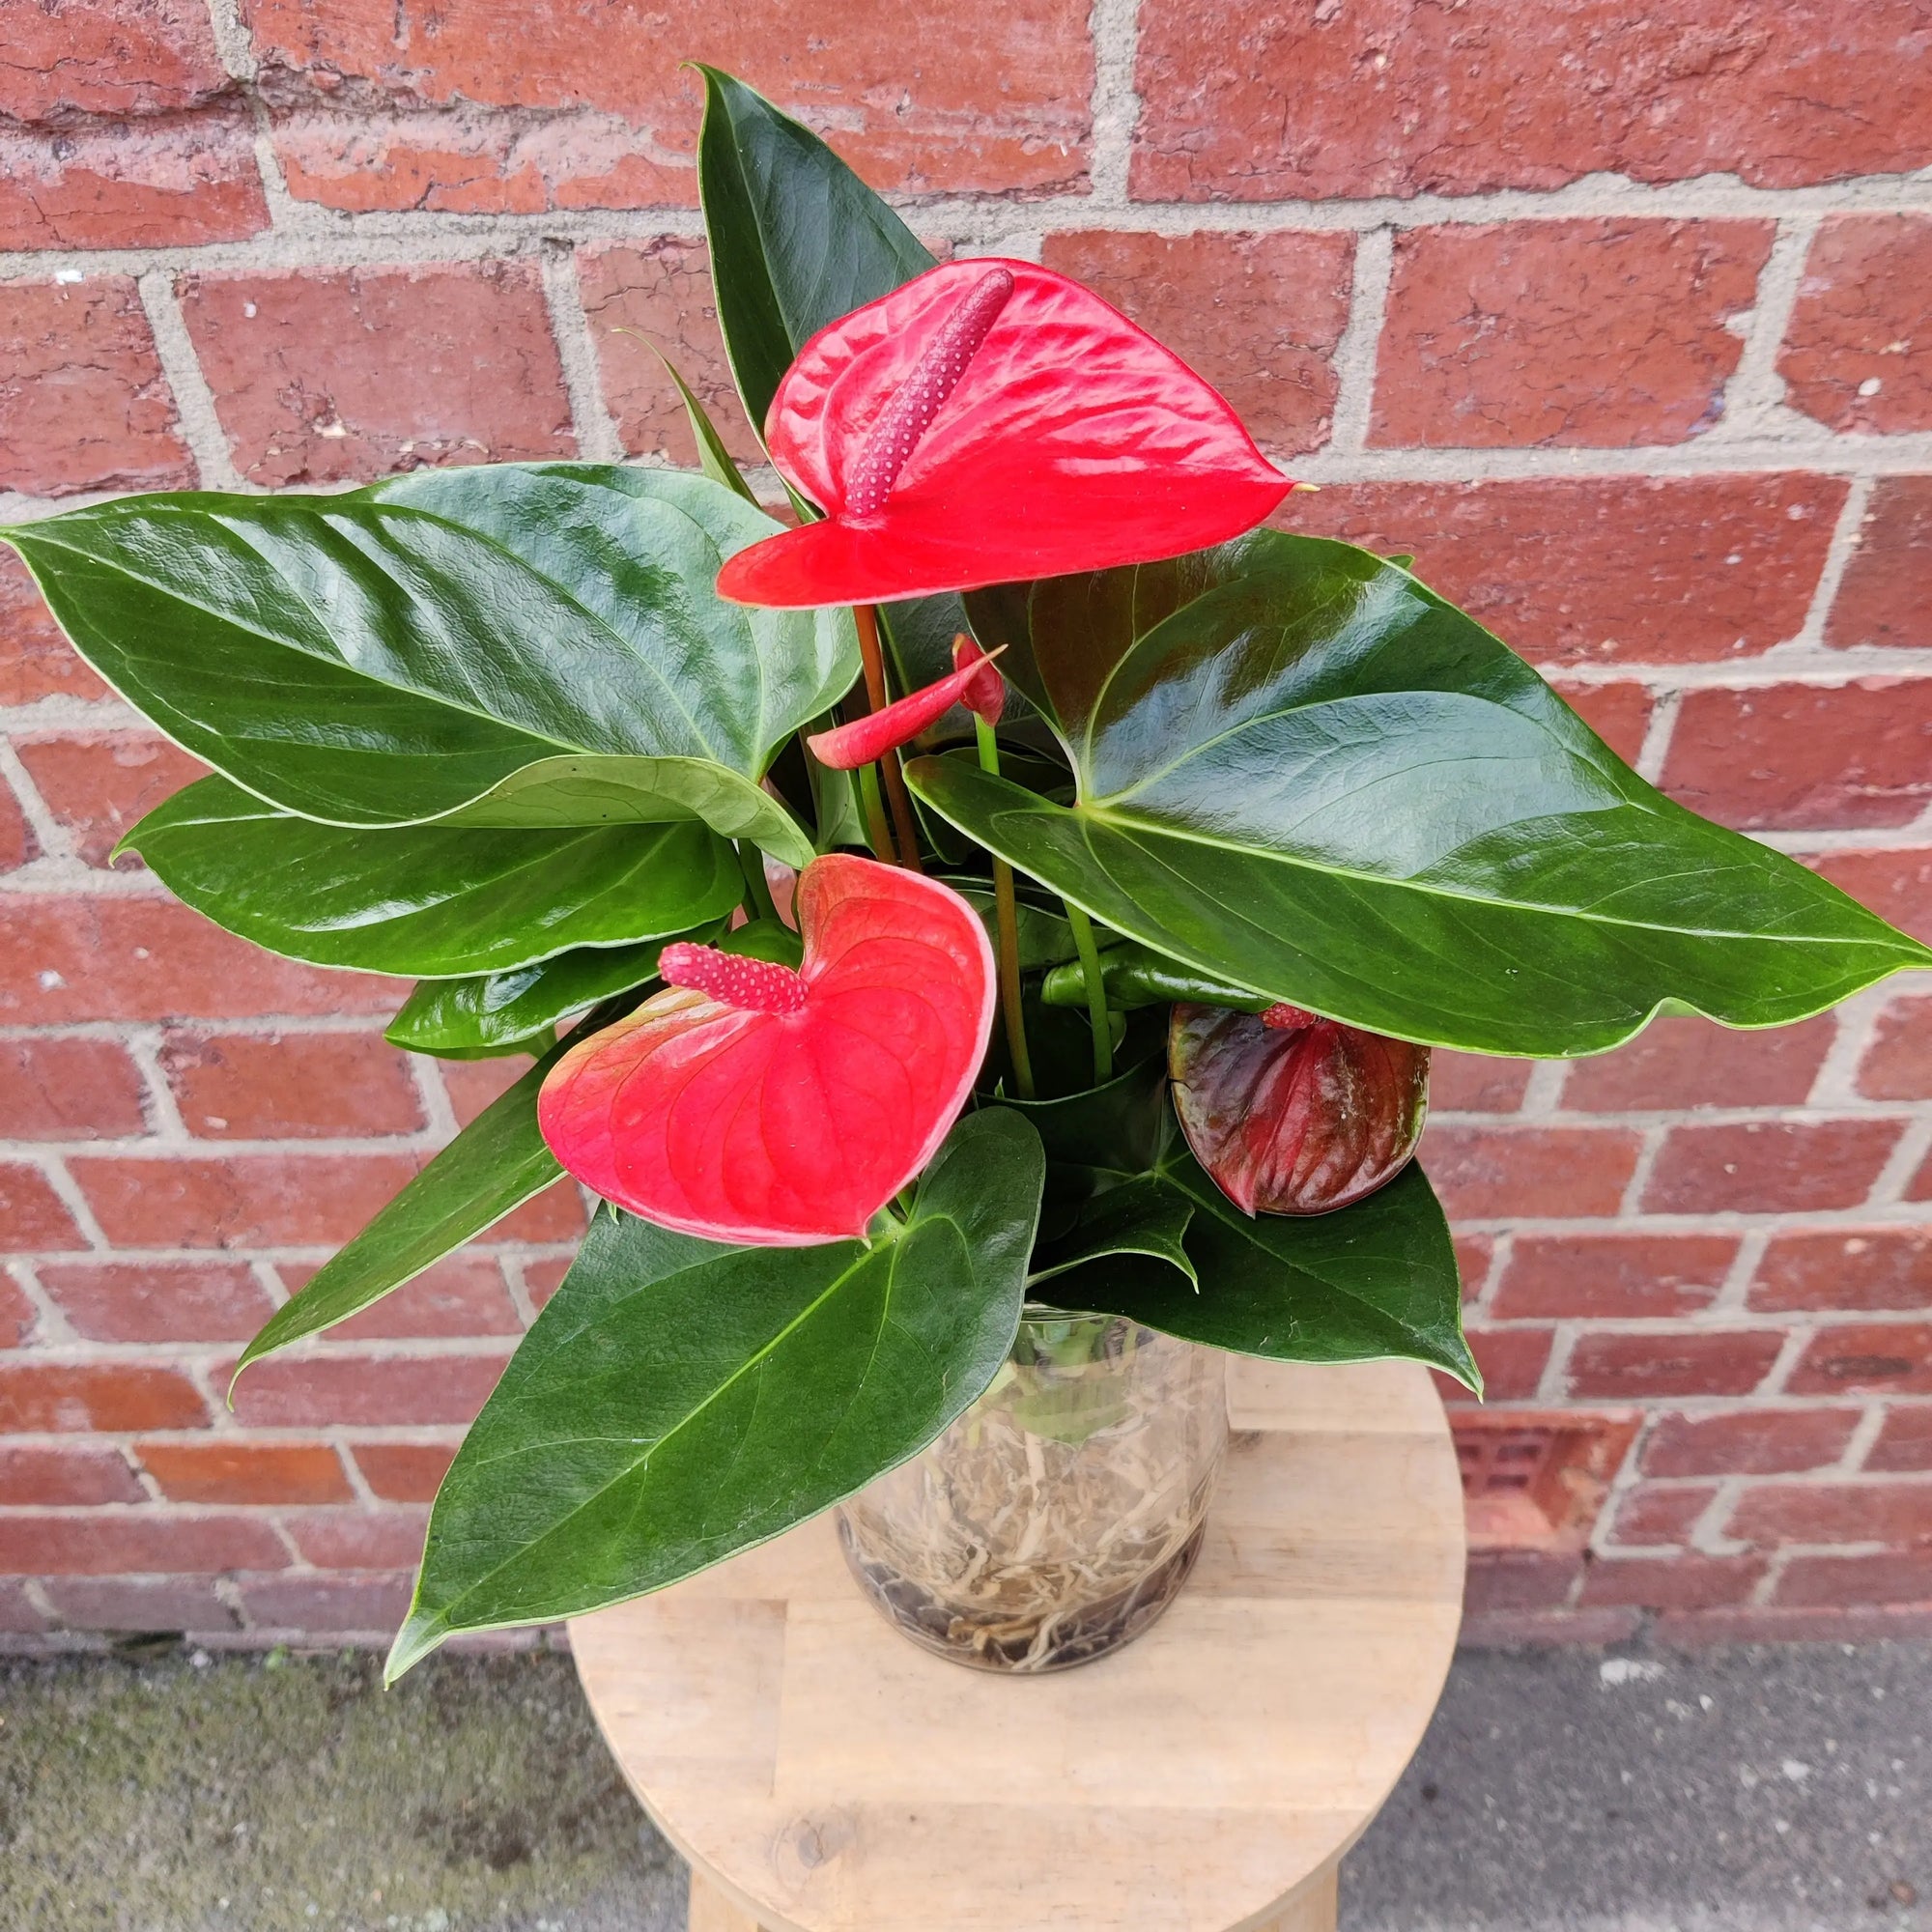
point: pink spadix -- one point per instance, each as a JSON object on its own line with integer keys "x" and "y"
{"x": 847, "y": 746}
{"x": 753, "y": 1104}
{"x": 993, "y": 422}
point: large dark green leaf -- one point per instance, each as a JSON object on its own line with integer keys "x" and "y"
{"x": 1301, "y": 771}
{"x": 495, "y": 1164}
{"x": 533, "y": 644}
{"x": 678, "y": 1399}
{"x": 431, "y": 900}
{"x": 1373, "y": 1280}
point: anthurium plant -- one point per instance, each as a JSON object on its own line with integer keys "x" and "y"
{"x": 1023, "y": 870}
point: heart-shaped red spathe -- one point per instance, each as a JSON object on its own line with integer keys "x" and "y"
{"x": 1025, "y": 429}
{"x": 780, "y": 1128}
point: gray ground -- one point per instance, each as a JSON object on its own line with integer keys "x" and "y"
{"x": 1782, "y": 1789}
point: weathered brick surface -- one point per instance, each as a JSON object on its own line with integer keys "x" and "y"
{"x": 1258, "y": 315}
{"x": 1254, "y": 101}
{"x": 1856, "y": 354}
{"x": 329, "y": 378}
{"x": 83, "y": 403}
{"x": 1703, "y": 1236}
{"x": 1592, "y": 333}
{"x": 1646, "y": 570}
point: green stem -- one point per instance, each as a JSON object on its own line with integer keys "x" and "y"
{"x": 1006, "y": 911}
{"x": 1097, "y": 993}
{"x": 758, "y": 893}
{"x": 877, "y": 828}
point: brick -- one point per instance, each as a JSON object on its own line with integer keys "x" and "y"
{"x": 1604, "y": 570}
{"x": 34, "y": 660}
{"x": 1472, "y": 1083}
{"x": 306, "y": 1604}
{"x": 1749, "y": 1442}
{"x": 1904, "y": 1440}
{"x": 403, "y": 1472}
{"x": 100, "y": 784}
{"x": 16, "y": 1315}
{"x": 124, "y": 958}
{"x": 1866, "y": 1358}
{"x": 251, "y": 1200}
{"x": 1660, "y": 1513}
{"x": 919, "y": 98}
{"x": 1611, "y": 1276}
{"x": 314, "y": 1391}
{"x": 157, "y": 1301}
{"x": 1619, "y": 714}
{"x": 17, "y": 844}
{"x": 543, "y": 1278}
{"x": 1519, "y": 1581}
{"x": 138, "y": 1604}
{"x": 660, "y": 292}
{"x": 1896, "y": 885}
{"x": 472, "y": 1085}
{"x": 1246, "y": 101}
{"x": 1768, "y": 1166}
{"x": 83, "y": 401}
{"x": 67, "y": 58}
{"x": 154, "y": 1541}
{"x": 1856, "y": 354}
{"x": 1898, "y": 1063}
{"x": 1634, "y": 1368}
{"x": 1854, "y": 1623}
{"x": 463, "y": 1294}
{"x": 1902, "y": 1578}
{"x": 556, "y": 1214}
{"x": 360, "y": 1539}
{"x": 1676, "y": 1065}
{"x": 1260, "y": 316}
{"x": 31, "y": 1215}
{"x": 1845, "y": 1267}
{"x": 326, "y": 376}
{"x": 1880, "y": 600}
{"x": 228, "y": 1472}
{"x": 1486, "y": 1173}
{"x": 1688, "y": 1582}
{"x": 172, "y": 184}
{"x": 1919, "y": 1186}
{"x": 1475, "y": 1254}
{"x": 1512, "y": 1361}
{"x": 1794, "y": 754}
{"x": 1601, "y": 332}
{"x": 63, "y": 1090}
{"x": 302, "y": 1086}
{"x": 66, "y": 1478}
{"x": 45, "y": 1397}
{"x": 1772, "y": 1513}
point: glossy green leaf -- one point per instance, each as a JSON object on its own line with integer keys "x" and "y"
{"x": 678, "y": 1399}
{"x": 1119, "y": 1127}
{"x": 1378, "y": 1279}
{"x": 495, "y": 1013}
{"x": 430, "y": 900}
{"x": 495, "y": 1164}
{"x": 1144, "y": 1217}
{"x": 713, "y": 458}
{"x": 1300, "y": 771}
{"x": 525, "y": 640}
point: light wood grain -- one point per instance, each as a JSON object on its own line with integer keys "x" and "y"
{"x": 824, "y": 1775}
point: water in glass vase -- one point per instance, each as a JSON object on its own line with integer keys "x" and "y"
{"x": 1059, "y": 1516}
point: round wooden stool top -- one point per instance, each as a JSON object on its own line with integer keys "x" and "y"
{"x": 827, "y": 1776}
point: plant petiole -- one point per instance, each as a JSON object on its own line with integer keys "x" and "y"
{"x": 758, "y": 889}
{"x": 1097, "y": 993}
{"x": 872, "y": 657}
{"x": 1007, "y": 913}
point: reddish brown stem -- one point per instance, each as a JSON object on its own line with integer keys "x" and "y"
{"x": 897, "y": 798}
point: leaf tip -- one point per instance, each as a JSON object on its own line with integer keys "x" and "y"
{"x": 422, "y": 1632}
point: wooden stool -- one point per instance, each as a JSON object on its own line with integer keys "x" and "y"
{"x": 823, "y": 1774}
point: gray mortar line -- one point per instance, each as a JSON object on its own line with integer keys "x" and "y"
{"x": 1754, "y": 396}
{"x": 195, "y": 401}
{"x": 582, "y": 379}
{"x": 1355, "y": 352}
{"x": 1113, "y": 34}
{"x": 1657, "y": 733}
{"x": 1846, "y": 537}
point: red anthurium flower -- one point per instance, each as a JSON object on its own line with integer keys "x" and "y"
{"x": 1292, "y": 1114}
{"x": 847, "y": 746}
{"x": 987, "y": 693}
{"x": 755, "y": 1104}
{"x": 993, "y": 421}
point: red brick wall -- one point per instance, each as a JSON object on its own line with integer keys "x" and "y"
{"x": 1615, "y": 316}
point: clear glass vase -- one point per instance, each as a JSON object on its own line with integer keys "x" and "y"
{"x": 1059, "y": 1516}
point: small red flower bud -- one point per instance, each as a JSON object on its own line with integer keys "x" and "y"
{"x": 986, "y": 695}
{"x": 849, "y": 746}
{"x": 1286, "y": 1018}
